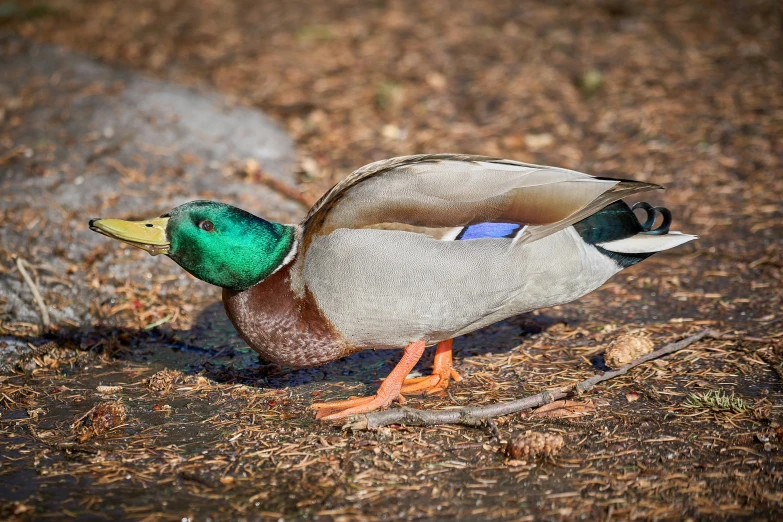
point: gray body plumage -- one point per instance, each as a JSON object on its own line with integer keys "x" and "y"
{"x": 383, "y": 289}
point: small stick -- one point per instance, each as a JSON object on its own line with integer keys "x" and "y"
{"x": 20, "y": 263}
{"x": 493, "y": 428}
{"x": 477, "y": 415}
{"x": 283, "y": 188}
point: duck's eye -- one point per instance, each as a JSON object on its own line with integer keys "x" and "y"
{"x": 206, "y": 225}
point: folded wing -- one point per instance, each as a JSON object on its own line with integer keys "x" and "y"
{"x": 441, "y": 194}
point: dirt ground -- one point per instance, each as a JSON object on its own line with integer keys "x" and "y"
{"x": 685, "y": 94}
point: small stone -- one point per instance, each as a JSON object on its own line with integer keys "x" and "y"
{"x": 632, "y": 397}
{"x": 310, "y": 168}
{"x": 393, "y": 132}
{"x": 436, "y": 80}
{"x": 591, "y": 82}
{"x": 539, "y": 141}
{"x": 534, "y": 444}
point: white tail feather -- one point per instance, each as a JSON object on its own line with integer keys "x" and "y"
{"x": 643, "y": 243}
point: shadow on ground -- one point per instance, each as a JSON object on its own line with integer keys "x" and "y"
{"x": 213, "y": 349}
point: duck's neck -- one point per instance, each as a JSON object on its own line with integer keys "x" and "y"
{"x": 271, "y": 257}
{"x": 292, "y": 237}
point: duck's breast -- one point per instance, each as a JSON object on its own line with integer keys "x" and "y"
{"x": 284, "y": 328}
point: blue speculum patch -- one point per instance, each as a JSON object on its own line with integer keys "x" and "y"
{"x": 489, "y": 230}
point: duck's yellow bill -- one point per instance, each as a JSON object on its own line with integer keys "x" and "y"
{"x": 149, "y": 235}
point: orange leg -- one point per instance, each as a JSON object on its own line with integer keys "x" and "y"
{"x": 442, "y": 373}
{"x": 387, "y": 393}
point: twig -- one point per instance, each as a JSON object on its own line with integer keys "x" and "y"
{"x": 283, "y": 188}
{"x": 476, "y": 416}
{"x": 20, "y": 264}
{"x": 11, "y": 154}
{"x": 493, "y": 428}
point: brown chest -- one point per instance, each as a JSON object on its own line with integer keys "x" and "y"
{"x": 281, "y": 327}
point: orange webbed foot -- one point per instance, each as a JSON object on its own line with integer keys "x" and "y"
{"x": 442, "y": 373}
{"x": 340, "y": 409}
{"x": 389, "y": 391}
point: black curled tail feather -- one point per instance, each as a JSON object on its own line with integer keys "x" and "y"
{"x": 614, "y": 221}
{"x": 652, "y": 215}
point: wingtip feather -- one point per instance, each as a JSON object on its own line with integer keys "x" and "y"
{"x": 646, "y": 243}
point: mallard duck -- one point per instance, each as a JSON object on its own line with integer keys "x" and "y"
{"x": 407, "y": 253}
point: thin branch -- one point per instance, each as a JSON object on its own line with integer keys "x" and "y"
{"x": 477, "y": 415}
{"x": 283, "y": 188}
{"x": 20, "y": 264}
{"x": 493, "y": 428}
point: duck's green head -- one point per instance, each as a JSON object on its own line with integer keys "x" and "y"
{"x": 215, "y": 242}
